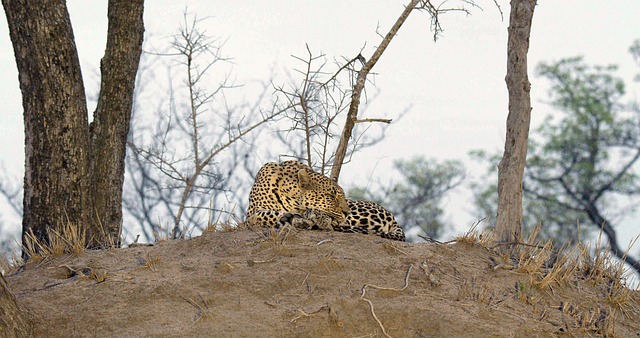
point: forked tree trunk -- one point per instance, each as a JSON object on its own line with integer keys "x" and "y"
{"x": 67, "y": 167}
{"x": 511, "y": 168}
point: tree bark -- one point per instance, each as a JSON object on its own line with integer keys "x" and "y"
{"x": 13, "y": 321}
{"x": 511, "y": 167}
{"x": 73, "y": 174}
{"x": 55, "y": 115}
{"x": 112, "y": 116}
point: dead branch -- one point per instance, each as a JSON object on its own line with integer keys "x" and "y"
{"x": 313, "y": 107}
{"x": 358, "y": 87}
{"x": 374, "y": 120}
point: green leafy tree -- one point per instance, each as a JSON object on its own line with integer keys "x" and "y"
{"x": 416, "y": 198}
{"x": 580, "y": 162}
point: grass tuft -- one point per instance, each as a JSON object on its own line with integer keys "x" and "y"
{"x": 474, "y": 236}
{"x": 547, "y": 267}
{"x": 152, "y": 262}
{"x": 70, "y": 239}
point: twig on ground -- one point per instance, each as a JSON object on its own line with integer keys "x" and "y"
{"x": 305, "y": 278}
{"x": 304, "y": 314}
{"x": 328, "y": 240}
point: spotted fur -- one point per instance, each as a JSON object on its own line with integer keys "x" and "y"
{"x": 292, "y": 193}
{"x": 290, "y": 190}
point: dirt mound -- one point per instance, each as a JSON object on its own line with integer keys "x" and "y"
{"x": 246, "y": 283}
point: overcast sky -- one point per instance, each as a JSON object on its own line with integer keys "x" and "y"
{"x": 454, "y": 87}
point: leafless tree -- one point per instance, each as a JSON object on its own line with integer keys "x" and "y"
{"x": 11, "y": 189}
{"x": 314, "y": 104}
{"x": 189, "y": 138}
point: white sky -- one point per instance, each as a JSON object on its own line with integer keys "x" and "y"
{"x": 455, "y": 87}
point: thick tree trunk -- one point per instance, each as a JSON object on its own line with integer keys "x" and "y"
{"x": 55, "y": 115}
{"x": 73, "y": 174}
{"x": 13, "y": 322}
{"x": 511, "y": 168}
{"x": 110, "y": 125}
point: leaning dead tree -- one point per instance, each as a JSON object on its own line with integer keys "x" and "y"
{"x": 321, "y": 98}
{"x": 361, "y": 79}
{"x": 511, "y": 167}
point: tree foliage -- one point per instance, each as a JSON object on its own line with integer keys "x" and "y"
{"x": 416, "y": 199}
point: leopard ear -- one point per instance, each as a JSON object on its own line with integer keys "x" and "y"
{"x": 304, "y": 179}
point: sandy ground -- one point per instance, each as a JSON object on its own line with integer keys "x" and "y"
{"x": 305, "y": 284}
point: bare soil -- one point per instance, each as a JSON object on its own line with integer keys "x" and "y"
{"x": 307, "y": 284}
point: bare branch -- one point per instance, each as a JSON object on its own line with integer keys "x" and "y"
{"x": 374, "y": 120}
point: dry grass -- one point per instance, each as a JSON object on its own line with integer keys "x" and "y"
{"x": 98, "y": 275}
{"x": 601, "y": 269}
{"x": 547, "y": 268}
{"x": 200, "y": 305}
{"x": 473, "y": 290}
{"x": 473, "y": 236}
{"x": 230, "y": 224}
{"x": 151, "y": 262}
{"x": 11, "y": 259}
{"x": 70, "y": 239}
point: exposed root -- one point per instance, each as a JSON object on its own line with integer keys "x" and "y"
{"x": 373, "y": 313}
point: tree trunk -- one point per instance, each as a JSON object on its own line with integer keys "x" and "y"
{"x": 55, "y": 115}
{"x": 111, "y": 118}
{"x": 511, "y": 168}
{"x": 73, "y": 174}
{"x": 13, "y": 322}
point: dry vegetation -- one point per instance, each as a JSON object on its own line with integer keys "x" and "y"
{"x": 310, "y": 283}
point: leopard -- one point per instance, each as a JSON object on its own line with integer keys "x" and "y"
{"x": 369, "y": 217}
{"x": 292, "y": 193}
